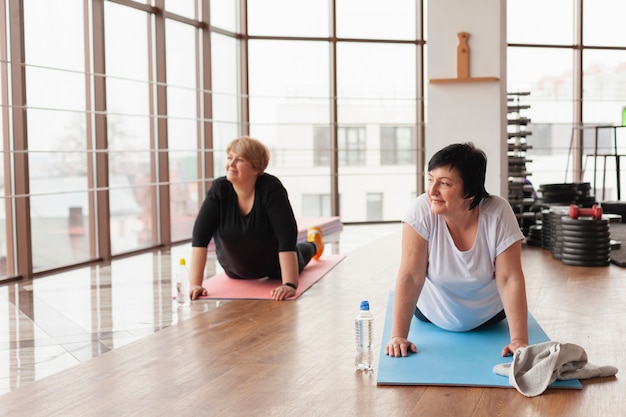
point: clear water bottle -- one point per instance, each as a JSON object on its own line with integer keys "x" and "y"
{"x": 182, "y": 284}
{"x": 363, "y": 332}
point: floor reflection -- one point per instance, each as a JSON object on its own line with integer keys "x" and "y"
{"x": 55, "y": 322}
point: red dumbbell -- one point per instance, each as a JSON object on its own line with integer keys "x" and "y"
{"x": 595, "y": 211}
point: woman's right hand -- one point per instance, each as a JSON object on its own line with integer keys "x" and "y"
{"x": 400, "y": 346}
{"x": 196, "y": 291}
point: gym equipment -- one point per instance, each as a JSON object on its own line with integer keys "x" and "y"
{"x": 595, "y": 211}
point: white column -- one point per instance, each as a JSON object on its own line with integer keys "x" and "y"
{"x": 469, "y": 110}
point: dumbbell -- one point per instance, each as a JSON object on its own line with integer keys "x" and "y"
{"x": 595, "y": 211}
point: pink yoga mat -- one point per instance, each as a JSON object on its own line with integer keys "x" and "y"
{"x": 220, "y": 287}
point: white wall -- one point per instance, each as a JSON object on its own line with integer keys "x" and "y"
{"x": 476, "y": 112}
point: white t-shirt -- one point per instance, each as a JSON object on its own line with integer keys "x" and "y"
{"x": 460, "y": 290}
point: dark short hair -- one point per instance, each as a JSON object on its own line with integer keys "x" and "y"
{"x": 470, "y": 162}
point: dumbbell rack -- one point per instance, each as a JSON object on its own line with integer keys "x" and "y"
{"x": 519, "y": 189}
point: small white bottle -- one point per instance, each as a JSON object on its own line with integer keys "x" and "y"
{"x": 182, "y": 284}
{"x": 364, "y": 328}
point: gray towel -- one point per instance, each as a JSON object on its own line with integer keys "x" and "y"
{"x": 535, "y": 367}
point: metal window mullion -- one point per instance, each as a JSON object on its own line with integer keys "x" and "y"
{"x": 420, "y": 157}
{"x": 334, "y": 154}
{"x": 162, "y": 145}
{"x": 7, "y": 145}
{"x": 89, "y": 135}
{"x": 207, "y": 168}
{"x": 577, "y": 171}
{"x": 243, "y": 68}
{"x": 103, "y": 212}
{"x": 21, "y": 189}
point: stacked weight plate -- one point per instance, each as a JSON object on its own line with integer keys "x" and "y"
{"x": 535, "y": 235}
{"x": 585, "y": 241}
{"x": 549, "y": 219}
{"x": 556, "y": 233}
{"x": 546, "y": 232}
{"x": 566, "y": 193}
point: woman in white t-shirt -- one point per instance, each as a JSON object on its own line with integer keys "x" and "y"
{"x": 461, "y": 255}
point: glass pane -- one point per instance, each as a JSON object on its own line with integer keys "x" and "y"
{"x": 603, "y": 23}
{"x": 127, "y": 215}
{"x": 50, "y": 88}
{"x": 129, "y": 128}
{"x": 5, "y": 222}
{"x": 60, "y": 222}
{"x": 604, "y": 101}
{"x": 289, "y": 87}
{"x": 54, "y": 35}
{"x": 371, "y": 19}
{"x": 226, "y": 95}
{"x": 377, "y": 110}
{"x": 224, "y": 14}
{"x": 126, "y": 40}
{"x": 185, "y": 8}
{"x": 288, "y": 18}
{"x": 182, "y": 108}
{"x": 604, "y": 86}
{"x": 547, "y": 75}
{"x": 540, "y": 22}
{"x": 57, "y": 137}
{"x": 181, "y": 47}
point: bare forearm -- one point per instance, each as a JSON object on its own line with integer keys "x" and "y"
{"x": 197, "y": 265}
{"x": 289, "y": 267}
{"x": 513, "y": 295}
{"x": 405, "y": 299}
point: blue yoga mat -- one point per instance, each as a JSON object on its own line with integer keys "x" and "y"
{"x": 453, "y": 358}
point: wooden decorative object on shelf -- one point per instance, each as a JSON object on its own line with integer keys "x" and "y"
{"x": 462, "y": 65}
{"x": 462, "y": 56}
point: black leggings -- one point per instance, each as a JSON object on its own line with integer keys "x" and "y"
{"x": 305, "y": 251}
{"x": 495, "y": 319}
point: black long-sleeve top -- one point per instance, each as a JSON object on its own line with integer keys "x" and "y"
{"x": 247, "y": 246}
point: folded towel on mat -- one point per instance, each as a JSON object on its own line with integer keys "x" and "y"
{"x": 536, "y": 366}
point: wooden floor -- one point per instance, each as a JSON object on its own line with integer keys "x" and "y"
{"x": 264, "y": 358}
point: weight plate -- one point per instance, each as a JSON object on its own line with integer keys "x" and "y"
{"x": 587, "y": 241}
{"x": 559, "y": 186}
{"x": 586, "y": 263}
{"x": 584, "y": 234}
{"x": 584, "y": 221}
{"x": 589, "y": 227}
{"x": 585, "y": 253}
{"x": 585, "y": 245}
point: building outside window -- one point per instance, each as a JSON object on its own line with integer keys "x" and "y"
{"x": 397, "y": 145}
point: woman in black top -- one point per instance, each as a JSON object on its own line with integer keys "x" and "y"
{"x": 249, "y": 216}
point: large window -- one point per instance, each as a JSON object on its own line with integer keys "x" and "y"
{"x": 550, "y": 63}
{"x": 129, "y": 127}
{"x": 289, "y": 94}
{"x": 183, "y": 130}
{"x": 57, "y": 133}
{"x": 376, "y": 88}
{"x": 116, "y": 117}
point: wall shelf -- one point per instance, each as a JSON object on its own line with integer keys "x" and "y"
{"x": 463, "y": 80}
{"x": 463, "y": 65}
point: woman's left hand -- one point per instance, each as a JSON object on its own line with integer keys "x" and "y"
{"x": 283, "y": 292}
{"x": 515, "y": 344}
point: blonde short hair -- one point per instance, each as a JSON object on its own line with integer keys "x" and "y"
{"x": 253, "y": 150}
